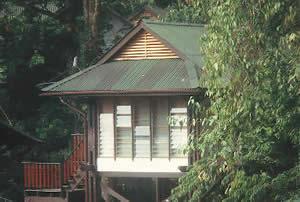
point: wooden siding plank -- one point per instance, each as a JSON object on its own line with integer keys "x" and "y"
{"x": 40, "y": 176}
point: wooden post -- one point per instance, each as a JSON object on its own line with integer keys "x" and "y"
{"x": 157, "y": 197}
{"x": 107, "y": 191}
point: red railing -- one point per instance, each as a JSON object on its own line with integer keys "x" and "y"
{"x": 42, "y": 175}
{"x": 72, "y": 163}
{"x": 53, "y": 175}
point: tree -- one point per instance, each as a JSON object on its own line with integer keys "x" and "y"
{"x": 188, "y": 12}
{"x": 91, "y": 13}
{"x": 249, "y": 134}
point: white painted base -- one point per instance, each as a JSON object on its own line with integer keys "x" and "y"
{"x": 141, "y": 165}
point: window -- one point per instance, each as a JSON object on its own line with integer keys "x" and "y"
{"x": 128, "y": 128}
{"x": 142, "y": 128}
{"x": 178, "y": 128}
{"x": 106, "y": 129}
{"x": 124, "y": 131}
{"x": 160, "y": 128}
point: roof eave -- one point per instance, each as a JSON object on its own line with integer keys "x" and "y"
{"x": 192, "y": 91}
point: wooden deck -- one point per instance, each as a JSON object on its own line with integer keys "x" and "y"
{"x": 44, "y": 177}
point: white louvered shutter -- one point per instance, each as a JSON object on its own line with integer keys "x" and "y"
{"x": 106, "y": 129}
{"x": 178, "y": 129}
{"x": 124, "y": 131}
{"x": 142, "y": 128}
{"x": 160, "y": 128}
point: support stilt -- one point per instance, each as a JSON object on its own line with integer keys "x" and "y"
{"x": 157, "y": 198}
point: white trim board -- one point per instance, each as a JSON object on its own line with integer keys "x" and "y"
{"x": 141, "y": 165}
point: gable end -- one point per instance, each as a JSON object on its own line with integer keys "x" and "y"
{"x": 144, "y": 46}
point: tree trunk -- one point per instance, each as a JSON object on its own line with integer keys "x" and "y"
{"x": 91, "y": 13}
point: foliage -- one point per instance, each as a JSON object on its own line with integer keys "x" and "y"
{"x": 249, "y": 135}
{"x": 194, "y": 12}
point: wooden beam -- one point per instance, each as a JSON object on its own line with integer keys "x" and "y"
{"x": 108, "y": 191}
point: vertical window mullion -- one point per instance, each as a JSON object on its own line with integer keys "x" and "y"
{"x": 142, "y": 128}
{"x": 115, "y": 129}
{"x": 151, "y": 127}
{"x": 132, "y": 127}
{"x": 99, "y": 125}
{"x": 169, "y": 130}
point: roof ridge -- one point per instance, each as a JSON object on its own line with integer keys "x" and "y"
{"x": 173, "y": 23}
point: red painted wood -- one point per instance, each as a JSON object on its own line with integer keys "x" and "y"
{"x": 25, "y": 176}
{"x": 40, "y": 177}
{"x": 29, "y": 175}
{"x": 58, "y": 175}
{"x": 33, "y": 175}
{"x": 47, "y": 176}
{"x": 53, "y": 176}
{"x": 36, "y": 183}
{"x": 65, "y": 172}
{"x": 44, "y": 176}
{"x": 50, "y": 177}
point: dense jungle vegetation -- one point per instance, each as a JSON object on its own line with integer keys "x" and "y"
{"x": 249, "y": 139}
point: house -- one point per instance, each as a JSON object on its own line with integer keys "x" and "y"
{"x": 137, "y": 122}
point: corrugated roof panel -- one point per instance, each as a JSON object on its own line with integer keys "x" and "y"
{"x": 184, "y": 37}
{"x": 131, "y": 75}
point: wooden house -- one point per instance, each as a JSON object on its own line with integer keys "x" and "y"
{"x": 137, "y": 120}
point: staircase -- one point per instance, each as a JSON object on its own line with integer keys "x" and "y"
{"x": 56, "y": 179}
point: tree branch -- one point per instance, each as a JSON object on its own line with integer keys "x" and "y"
{"x": 6, "y": 116}
{"x": 37, "y": 9}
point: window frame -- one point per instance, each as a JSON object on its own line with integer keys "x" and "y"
{"x": 132, "y": 103}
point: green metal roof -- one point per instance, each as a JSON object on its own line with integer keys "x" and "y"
{"x": 131, "y": 75}
{"x": 183, "y": 37}
{"x": 147, "y": 75}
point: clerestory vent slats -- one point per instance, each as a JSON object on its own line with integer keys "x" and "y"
{"x": 145, "y": 46}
